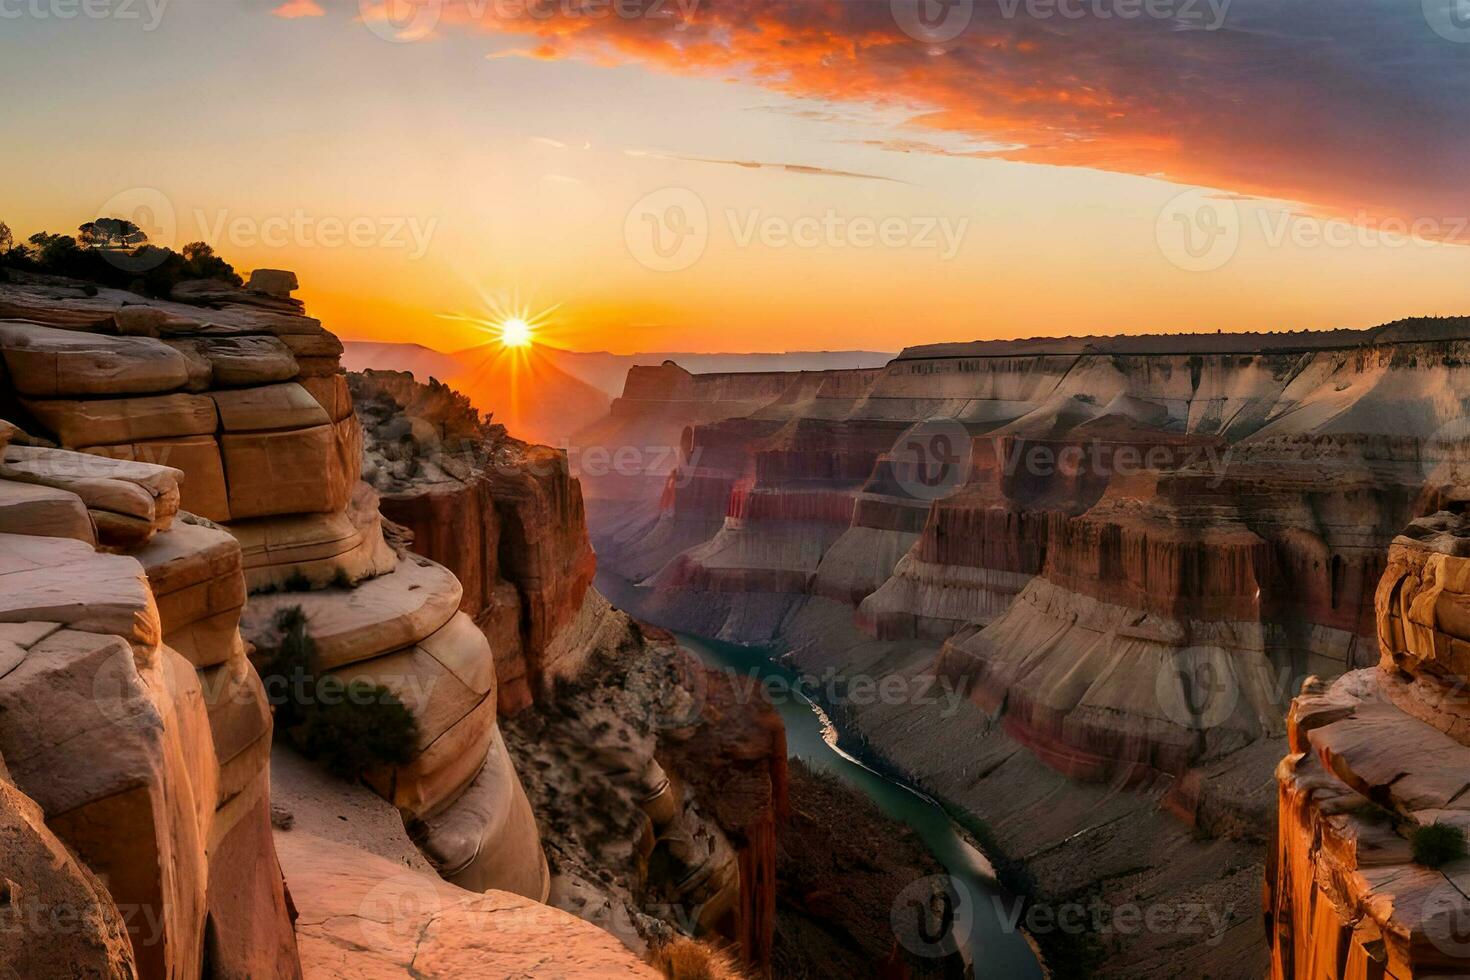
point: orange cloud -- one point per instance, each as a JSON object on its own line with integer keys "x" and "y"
{"x": 1349, "y": 109}
{"x": 292, "y": 9}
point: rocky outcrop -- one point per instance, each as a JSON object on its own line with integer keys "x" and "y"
{"x": 208, "y": 480}
{"x": 1375, "y": 758}
{"x": 505, "y": 516}
{"x": 362, "y": 916}
{"x": 657, "y": 807}
{"x": 129, "y": 715}
{"x": 43, "y": 880}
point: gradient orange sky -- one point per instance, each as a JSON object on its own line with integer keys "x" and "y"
{"x": 418, "y": 161}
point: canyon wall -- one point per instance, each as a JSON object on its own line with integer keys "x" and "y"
{"x": 1376, "y": 759}
{"x": 631, "y": 760}
{"x": 204, "y": 496}
{"x": 1126, "y": 553}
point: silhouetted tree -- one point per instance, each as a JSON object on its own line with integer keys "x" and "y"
{"x": 110, "y": 233}
{"x": 200, "y": 262}
{"x": 7, "y": 240}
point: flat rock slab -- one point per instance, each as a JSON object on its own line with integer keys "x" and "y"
{"x": 27, "y": 508}
{"x": 379, "y": 616}
{"x": 247, "y": 360}
{"x": 299, "y": 471}
{"x": 203, "y": 490}
{"x": 59, "y": 580}
{"x": 195, "y": 574}
{"x": 62, "y": 464}
{"x": 47, "y": 362}
{"x": 113, "y": 420}
{"x": 282, "y": 406}
{"x": 1385, "y": 754}
{"x": 364, "y": 917}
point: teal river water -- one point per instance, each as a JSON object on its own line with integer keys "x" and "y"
{"x": 996, "y": 951}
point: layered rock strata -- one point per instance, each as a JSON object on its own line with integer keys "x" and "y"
{"x": 652, "y": 825}
{"x": 1376, "y": 757}
{"x": 1125, "y": 552}
{"x": 505, "y": 516}
{"x": 212, "y": 454}
{"x": 132, "y": 720}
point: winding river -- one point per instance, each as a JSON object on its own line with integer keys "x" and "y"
{"x": 995, "y": 950}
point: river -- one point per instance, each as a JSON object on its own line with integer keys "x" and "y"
{"x": 996, "y": 951}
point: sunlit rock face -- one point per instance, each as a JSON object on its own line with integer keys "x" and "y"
{"x": 1078, "y": 518}
{"x": 1375, "y": 757}
{"x": 655, "y": 825}
{"x": 131, "y": 719}
{"x": 215, "y": 482}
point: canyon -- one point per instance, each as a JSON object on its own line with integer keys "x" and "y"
{"x": 304, "y": 674}
{"x": 308, "y": 673}
{"x": 1126, "y": 556}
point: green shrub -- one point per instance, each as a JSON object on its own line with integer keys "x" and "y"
{"x": 346, "y": 726}
{"x": 1437, "y": 844}
{"x": 356, "y": 726}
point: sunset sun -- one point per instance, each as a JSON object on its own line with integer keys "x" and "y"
{"x": 515, "y": 332}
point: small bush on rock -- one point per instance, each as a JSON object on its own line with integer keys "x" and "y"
{"x": 1437, "y": 844}
{"x": 347, "y": 726}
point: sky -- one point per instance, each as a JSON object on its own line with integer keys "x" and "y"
{"x": 751, "y": 175}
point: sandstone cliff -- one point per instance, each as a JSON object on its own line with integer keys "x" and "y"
{"x": 636, "y": 813}
{"x": 1375, "y": 758}
{"x": 208, "y": 481}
